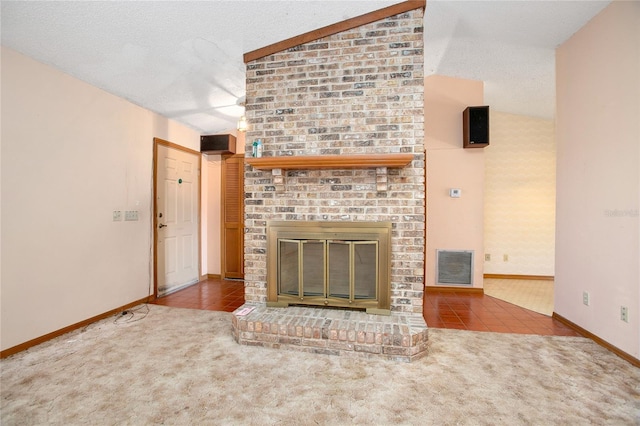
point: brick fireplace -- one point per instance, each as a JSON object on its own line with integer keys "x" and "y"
{"x": 335, "y": 115}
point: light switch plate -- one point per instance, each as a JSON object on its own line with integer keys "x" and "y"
{"x": 131, "y": 215}
{"x": 455, "y": 193}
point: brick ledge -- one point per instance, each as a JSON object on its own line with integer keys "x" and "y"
{"x": 398, "y": 337}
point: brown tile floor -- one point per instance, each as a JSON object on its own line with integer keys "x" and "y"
{"x": 478, "y": 312}
{"x": 212, "y": 294}
{"x": 460, "y": 309}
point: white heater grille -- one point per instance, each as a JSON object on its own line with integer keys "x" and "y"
{"x": 454, "y": 267}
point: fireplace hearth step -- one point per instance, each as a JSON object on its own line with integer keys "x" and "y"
{"x": 399, "y": 337}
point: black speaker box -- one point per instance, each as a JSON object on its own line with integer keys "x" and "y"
{"x": 475, "y": 127}
{"x": 218, "y": 144}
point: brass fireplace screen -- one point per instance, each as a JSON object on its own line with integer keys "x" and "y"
{"x": 333, "y": 264}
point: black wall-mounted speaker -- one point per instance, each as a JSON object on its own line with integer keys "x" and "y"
{"x": 475, "y": 127}
{"x": 218, "y": 144}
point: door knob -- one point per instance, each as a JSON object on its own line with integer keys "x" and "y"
{"x": 162, "y": 226}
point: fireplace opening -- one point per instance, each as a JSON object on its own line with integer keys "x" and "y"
{"x": 329, "y": 264}
{"x": 335, "y": 268}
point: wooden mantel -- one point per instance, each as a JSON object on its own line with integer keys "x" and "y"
{"x": 380, "y": 162}
{"x": 314, "y": 162}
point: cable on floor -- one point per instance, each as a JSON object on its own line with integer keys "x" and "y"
{"x": 132, "y": 315}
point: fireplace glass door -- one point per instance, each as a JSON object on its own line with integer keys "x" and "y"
{"x": 301, "y": 267}
{"x": 343, "y": 265}
{"x": 353, "y": 269}
{"x": 328, "y": 269}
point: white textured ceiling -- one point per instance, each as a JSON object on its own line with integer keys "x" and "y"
{"x": 510, "y": 45}
{"x": 183, "y": 59}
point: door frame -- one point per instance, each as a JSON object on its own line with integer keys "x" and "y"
{"x": 154, "y": 222}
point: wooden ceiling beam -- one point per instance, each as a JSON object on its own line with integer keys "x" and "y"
{"x": 358, "y": 21}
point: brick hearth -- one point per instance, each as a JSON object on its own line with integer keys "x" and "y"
{"x": 333, "y": 332}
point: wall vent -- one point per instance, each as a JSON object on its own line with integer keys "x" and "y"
{"x": 454, "y": 267}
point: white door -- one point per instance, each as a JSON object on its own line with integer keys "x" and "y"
{"x": 177, "y": 206}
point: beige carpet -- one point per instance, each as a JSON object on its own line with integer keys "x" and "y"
{"x": 181, "y": 367}
{"x": 535, "y": 295}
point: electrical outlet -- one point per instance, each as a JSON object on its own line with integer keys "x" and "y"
{"x": 487, "y": 257}
{"x": 131, "y": 215}
{"x": 505, "y": 257}
{"x": 585, "y": 298}
{"x": 117, "y": 215}
{"x": 624, "y": 313}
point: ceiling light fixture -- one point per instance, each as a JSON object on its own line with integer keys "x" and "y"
{"x": 242, "y": 124}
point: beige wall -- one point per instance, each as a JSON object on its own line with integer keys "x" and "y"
{"x": 598, "y": 178}
{"x": 71, "y": 154}
{"x": 213, "y": 166}
{"x": 452, "y": 223}
{"x": 520, "y": 195}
